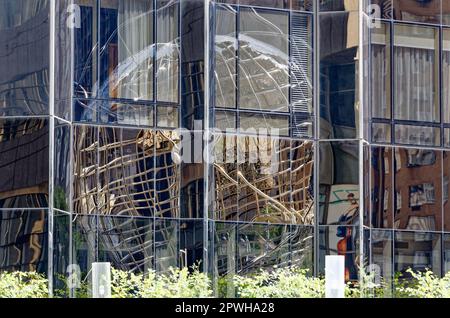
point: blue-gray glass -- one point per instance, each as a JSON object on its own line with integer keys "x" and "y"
{"x": 338, "y": 94}
{"x": 24, "y": 240}
{"x": 127, "y": 243}
{"x": 62, "y": 174}
{"x": 126, "y": 49}
{"x": 86, "y": 50}
{"x": 64, "y": 47}
{"x": 24, "y": 149}
{"x": 417, "y": 194}
{"x": 339, "y": 183}
{"x": 381, "y": 187}
{"x": 24, "y": 57}
{"x": 418, "y": 251}
{"x": 61, "y": 253}
{"x": 340, "y": 240}
{"x": 167, "y": 249}
{"x": 424, "y": 11}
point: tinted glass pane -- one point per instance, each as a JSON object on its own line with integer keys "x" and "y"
{"x": 167, "y": 56}
{"x": 24, "y": 57}
{"x": 380, "y": 70}
{"x": 418, "y": 191}
{"x": 381, "y": 255}
{"x": 127, "y": 243}
{"x": 225, "y": 57}
{"x": 415, "y": 73}
{"x": 263, "y": 60}
{"x": 23, "y": 240}
{"x": 381, "y": 187}
{"x": 338, "y": 94}
{"x": 418, "y": 251}
{"x": 339, "y": 183}
{"x": 446, "y": 190}
{"x": 340, "y": 240}
{"x": 62, "y": 173}
{"x": 24, "y": 163}
{"x": 126, "y": 54}
{"x": 445, "y": 69}
{"x": 264, "y": 124}
{"x": 166, "y": 244}
{"x": 61, "y": 252}
{"x": 126, "y": 171}
{"x": 86, "y": 49}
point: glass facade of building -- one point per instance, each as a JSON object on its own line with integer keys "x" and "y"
{"x": 233, "y": 134}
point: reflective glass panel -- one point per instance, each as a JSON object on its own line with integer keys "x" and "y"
{"x": 418, "y": 11}
{"x": 417, "y": 196}
{"x": 381, "y": 185}
{"x": 263, "y": 60}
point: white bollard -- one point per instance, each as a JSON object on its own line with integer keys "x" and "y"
{"x": 101, "y": 280}
{"x": 334, "y": 276}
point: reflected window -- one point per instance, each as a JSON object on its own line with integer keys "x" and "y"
{"x": 415, "y": 73}
{"x": 418, "y": 251}
{"x": 166, "y": 244}
{"x": 418, "y": 189}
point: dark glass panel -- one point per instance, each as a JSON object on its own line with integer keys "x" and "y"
{"x": 339, "y": 183}
{"x": 381, "y": 187}
{"x": 125, "y": 114}
{"x": 61, "y": 253}
{"x": 84, "y": 251}
{"x": 24, "y": 163}
{"x": 191, "y": 244}
{"x": 417, "y": 196}
{"x": 24, "y": 57}
{"x": 86, "y": 49}
{"x": 381, "y": 133}
{"x": 338, "y": 5}
{"x": 445, "y": 71}
{"x": 62, "y": 173}
{"x": 24, "y": 240}
{"x": 166, "y": 244}
{"x": 127, "y": 243}
{"x": 446, "y": 253}
{"x": 338, "y": 93}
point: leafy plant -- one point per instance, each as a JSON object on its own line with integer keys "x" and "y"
{"x": 23, "y": 285}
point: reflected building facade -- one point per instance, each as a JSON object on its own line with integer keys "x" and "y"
{"x": 235, "y": 135}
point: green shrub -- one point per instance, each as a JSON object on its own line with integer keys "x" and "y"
{"x": 23, "y": 285}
